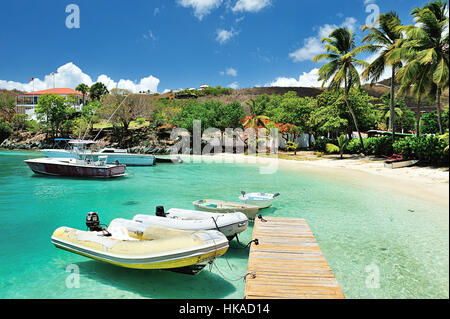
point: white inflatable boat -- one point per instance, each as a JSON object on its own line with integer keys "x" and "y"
{"x": 229, "y": 224}
{"x": 262, "y": 200}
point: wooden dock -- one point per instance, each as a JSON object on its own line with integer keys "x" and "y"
{"x": 287, "y": 263}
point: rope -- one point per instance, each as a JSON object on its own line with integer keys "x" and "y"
{"x": 215, "y": 223}
{"x": 111, "y": 117}
{"x": 262, "y": 219}
{"x": 256, "y": 241}
{"x": 235, "y": 279}
{"x": 90, "y": 122}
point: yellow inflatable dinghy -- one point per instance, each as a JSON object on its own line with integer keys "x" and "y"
{"x": 129, "y": 244}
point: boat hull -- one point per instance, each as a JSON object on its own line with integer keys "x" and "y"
{"x": 58, "y": 154}
{"x": 227, "y": 207}
{"x": 260, "y": 203}
{"x": 141, "y": 254}
{"x": 228, "y": 224}
{"x": 127, "y": 159}
{"x": 68, "y": 170}
{"x": 400, "y": 164}
{"x": 112, "y": 158}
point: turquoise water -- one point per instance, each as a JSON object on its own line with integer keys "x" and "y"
{"x": 358, "y": 228}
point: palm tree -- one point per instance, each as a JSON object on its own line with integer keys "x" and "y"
{"x": 427, "y": 47}
{"x": 84, "y": 89}
{"x": 383, "y": 40}
{"x": 416, "y": 80}
{"x": 254, "y": 120}
{"x": 341, "y": 70}
{"x": 340, "y": 148}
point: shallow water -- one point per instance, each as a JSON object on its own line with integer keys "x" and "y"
{"x": 364, "y": 233}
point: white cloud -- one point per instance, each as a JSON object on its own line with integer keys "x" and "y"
{"x": 69, "y": 76}
{"x": 314, "y": 46}
{"x": 224, "y": 36}
{"x": 201, "y": 7}
{"x": 149, "y": 35}
{"x": 250, "y": 5}
{"x": 229, "y": 71}
{"x": 307, "y": 79}
{"x": 234, "y": 85}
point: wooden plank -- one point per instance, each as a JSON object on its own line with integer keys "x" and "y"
{"x": 288, "y": 263}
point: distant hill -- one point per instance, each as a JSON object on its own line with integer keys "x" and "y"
{"x": 377, "y": 91}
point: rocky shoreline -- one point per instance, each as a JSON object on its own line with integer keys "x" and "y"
{"x": 141, "y": 141}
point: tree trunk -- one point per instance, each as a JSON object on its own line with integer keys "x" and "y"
{"x": 355, "y": 121}
{"x": 392, "y": 111}
{"x": 418, "y": 115}
{"x": 438, "y": 108}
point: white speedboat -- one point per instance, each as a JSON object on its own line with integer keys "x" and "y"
{"x": 262, "y": 200}
{"x": 220, "y": 206}
{"x": 229, "y": 224}
{"x": 123, "y": 157}
{"x": 114, "y": 155}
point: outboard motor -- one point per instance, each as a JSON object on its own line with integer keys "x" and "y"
{"x": 160, "y": 211}
{"x": 93, "y": 222}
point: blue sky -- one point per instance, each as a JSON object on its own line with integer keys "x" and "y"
{"x": 172, "y": 44}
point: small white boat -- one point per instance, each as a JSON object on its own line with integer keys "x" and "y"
{"x": 262, "y": 200}
{"x": 123, "y": 157}
{"x": 129, "y": 244}
{"x": 229, "y": 224}
{"x": 220, "y": 206}
{"x": 399, "y": 163}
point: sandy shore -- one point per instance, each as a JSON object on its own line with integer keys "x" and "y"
{"x": 425, "y": 183}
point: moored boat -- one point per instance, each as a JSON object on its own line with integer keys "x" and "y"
{"x": 114, "y": 155}
{"x": 129, "y": 244}
{"x": 262, "y": 200}
{"x": 220, "y": 206}
{"x": 123, "y": 157}
{"x": 399, "y": 163}
{"x": 229, "y": 224}
{"x": 168, "y": 159}
{"x": 71, "y": 167}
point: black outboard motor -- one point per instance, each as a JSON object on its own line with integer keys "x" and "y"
{"x": 160, "y": 211}
{"x": 93, "y": 222}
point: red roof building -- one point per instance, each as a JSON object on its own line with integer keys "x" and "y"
{"x": 26, "y": 102}
{"x": 57, "y": 91}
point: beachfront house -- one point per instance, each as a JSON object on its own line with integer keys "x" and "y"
{"x": 204, "y": 86}
{"x": 26, "y": 102}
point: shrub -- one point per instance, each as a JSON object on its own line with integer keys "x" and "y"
{"x": 5, "y": 130}
{"x": 377, "y": 146}
{"x": 354, "y": 147}
{"x": 292, "y": 146}
{"x": 140, "y": 121}
{"x": 320, "y": 144}
{"x": 19, "y": 121}
{"x": 427, "y": 149}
